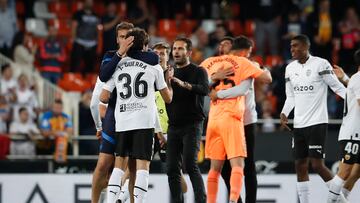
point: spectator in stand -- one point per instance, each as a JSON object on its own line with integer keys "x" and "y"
{"x": 4, "y": 114}
{"x": 85, "y": 38}
{"x": 86, "y": 126}
{"x": 7, "y": 83}
{"x": 52, "y": 55}
{"x": 201, "y": 49}
{"x": 139, "y": 15}
{"x": 27, "y": 130}
{"x": 220, "y": 32}
{"x": 109, "y": 21}
{"x": 321, "y": 29}
{"x": 54, "y": 124}
{"x": 349, "y": 29}
{"x": 25, "y": 98}
{"x": 8, "y": 26}
{"x": 24, "y": 53}
{"x": 267, "y": 21}
{"x": 289, "y": 29}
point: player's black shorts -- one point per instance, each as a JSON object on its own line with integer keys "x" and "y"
{"x": 108, "y": 141}
{"x": 310, "y": 141}
{"x": 350, "y": 152}
{"x": 135, "y": 144}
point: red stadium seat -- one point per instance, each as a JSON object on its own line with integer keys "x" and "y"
{"x": 235, "y": 9}
{"x": 258, "y": 59}
{"x": 4, "y": 146}
{"x": 76, "y": 6}
{"x": 20, "y": 8}
{"x": 63, "y": 25}
{"x": 99, "y": 8}
{"x": 249, "y": 27}
{"x": 235, "y": 27}
{"x": 273, "y": 60}
{"x": 60, "y": 9}
{"x": 167, "y": 28}
{"x": 122, "y": 9}
{"x": 91, "y": 78}
{"x": 72, "y": 76}
{"x": 187, "y": 26}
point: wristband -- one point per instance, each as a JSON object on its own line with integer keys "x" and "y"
{"x": 345, "y": 78}
{"x": 102, "y": 103}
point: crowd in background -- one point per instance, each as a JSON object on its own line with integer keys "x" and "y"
{"x": 333, "y": 27}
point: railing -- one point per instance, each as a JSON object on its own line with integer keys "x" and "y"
{"x": 48, "y": 92}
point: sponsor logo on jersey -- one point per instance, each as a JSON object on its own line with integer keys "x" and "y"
{"x": 132, "y": 107}
{"x": 303, "y": 88}
{"x": 308, "y": 72}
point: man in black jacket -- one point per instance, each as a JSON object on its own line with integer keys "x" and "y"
{"x": 186, "y": 116}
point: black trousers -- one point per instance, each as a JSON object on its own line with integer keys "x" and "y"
{"x": 183, "y": 145}
{"x": 79, "y": 53}
{"x": 249, "y": 170}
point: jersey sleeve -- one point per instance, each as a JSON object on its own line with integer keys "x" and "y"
{"x": 94, "y": 104}
{"x": 357, "y": 87}
{"x": 236, "y": 91}
{"x": 45, "y": 122}
{"x": 290, "y": 99}
{"x": 159, "y": 78}
{"x": 108, "y": 66}
{"x": 109, "y": 85}
{"x": 327, "y": 73}
{"x": 248, "y": 69}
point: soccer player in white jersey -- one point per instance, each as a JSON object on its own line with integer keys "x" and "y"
{"x": 106, "y": 129}
{"x": 135, "y": 79}
{"x": 307, "y": 80}
{"x": 349, "y": 139}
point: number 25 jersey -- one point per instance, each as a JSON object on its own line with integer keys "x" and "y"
{"x": 135, "y": 80}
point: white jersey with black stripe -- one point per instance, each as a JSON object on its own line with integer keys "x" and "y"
{"x": 350, "y": 128}
{"x": 306, "y": 91}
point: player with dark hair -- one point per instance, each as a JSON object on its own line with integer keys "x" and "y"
{"x": 135, "y": 112}
{"x": 186, "y": 116}
{"x": 225, "y": 131}
{"x": 106, "y": 129}
{"x": 307, "y": 80}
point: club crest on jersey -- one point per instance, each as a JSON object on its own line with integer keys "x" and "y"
{"x": 308, "y": 72}
{"x": 347, "y": 157}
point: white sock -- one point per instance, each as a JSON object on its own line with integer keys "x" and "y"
{"x": 124, "y": 193}
{"x": 141, "y": 185}
{"x": 114, "y": 187}
{"x": 303, "y": 191}
{"x": 346, "y": 192}
{"x": 335, "y": 189}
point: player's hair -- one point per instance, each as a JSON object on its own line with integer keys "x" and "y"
{"x": 303, "y": 39}
{"x": 4, "y": 67}
{"x": 241, "y": 42}
{"x": 227, "y": 38}
{"x": 357, "y": 57}
{"x": 141, "y": 39}
{"x": 58, "y": 101}
{"x": 186, "y": 40}
{"x": 162, "y": 45}
{"x": 124, "y": 26}
{"x": 22, "y": 109}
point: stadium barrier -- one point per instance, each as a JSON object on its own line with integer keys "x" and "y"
{"x": 76, "y": 188}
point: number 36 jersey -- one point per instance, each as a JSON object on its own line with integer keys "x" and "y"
{"x": 135, "y": 80}
{"x": 350, "y": 127}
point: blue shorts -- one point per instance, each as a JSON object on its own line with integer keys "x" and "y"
{"x": 108, "y": 142}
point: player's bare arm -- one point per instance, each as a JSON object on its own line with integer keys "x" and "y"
{"x": 265, "y": 77}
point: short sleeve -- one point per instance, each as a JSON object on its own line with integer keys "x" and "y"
{"x": 68, "y": 123}
{"x": 247, "y": 68}
{"x": 356, "y": 88}
{"x": 160, "y": 80}
{"x": 45, "y": 123}
{"x": 109, "y": 85}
